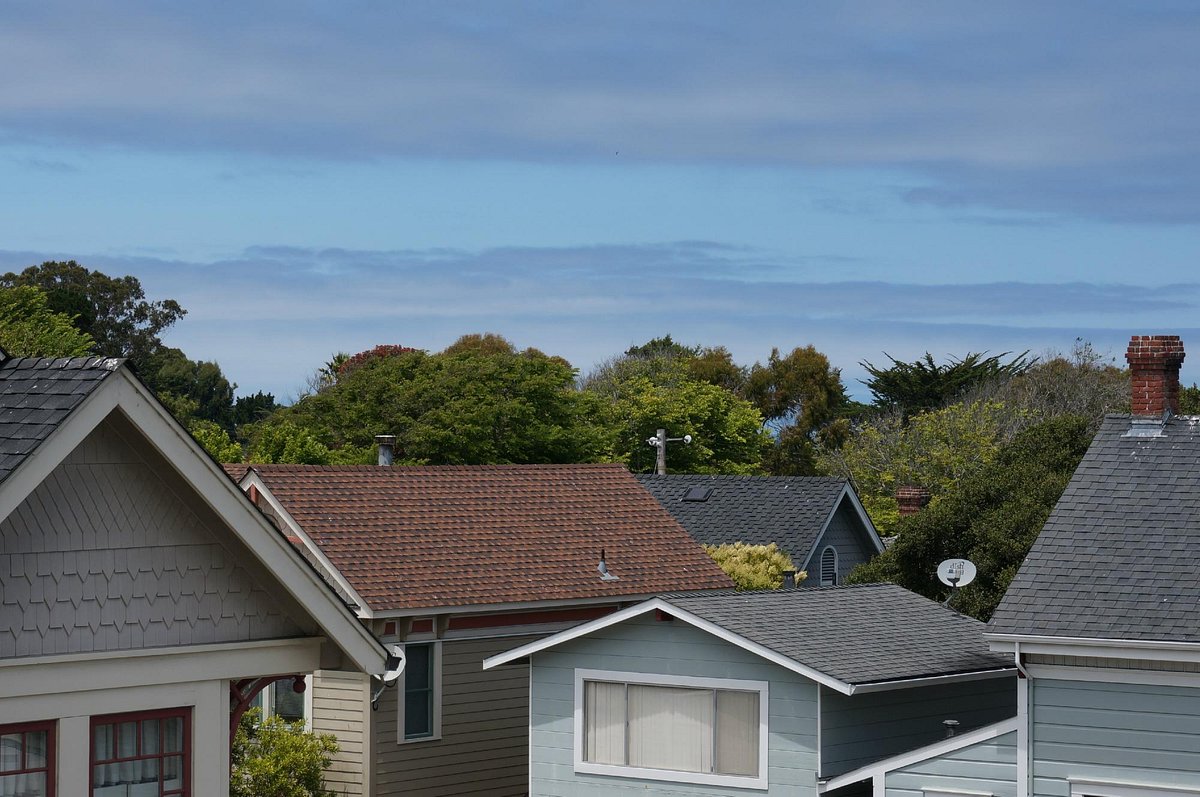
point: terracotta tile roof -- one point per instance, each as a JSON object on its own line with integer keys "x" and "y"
{"x": 424, "y": 537}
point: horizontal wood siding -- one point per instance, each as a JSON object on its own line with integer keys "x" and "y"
{"x": 859, "y": 729}
{"x": 484, "y": 746}
{"x": 988, "y": 767}
{"x": 670, "y": 648}
{"x": 339, "y": 705}
{"x": 1122, "y": 732}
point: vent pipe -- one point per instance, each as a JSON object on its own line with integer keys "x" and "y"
{"x": 789, "y": 579}
{"x": 385, "y": 445}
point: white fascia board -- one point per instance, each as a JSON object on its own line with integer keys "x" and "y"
{"x": 1096, "y": 647}
{"x": 678, "y": 614}
{"x": 252, "y": 477}
{"x": 928, "y": 680}
{"x": 881, "y": 768}
{"x": 1111, "y": 676}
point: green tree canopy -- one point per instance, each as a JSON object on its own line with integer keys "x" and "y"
{"x": 202, "y": 383}
{"x": 30, "y": 328}
{"x": 991, "y": 517}
{"x": 925, "y": 385}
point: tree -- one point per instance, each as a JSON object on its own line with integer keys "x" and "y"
{"x": 991, "y": 517}
{"x": 1189, "y": 400}
{"x": 753, "y": 566}
{"x": 29, "y": 328}
{"x": 215, "y": 441}
{"x": 287, "y": 442}
{"x": 113, "y": 310}
{"x": 201, "y": 383}
{"x": 277, "y": 758}
{"x": 925, "y": 385}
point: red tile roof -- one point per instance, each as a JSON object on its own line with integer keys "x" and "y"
{"x": 424, "y": 537}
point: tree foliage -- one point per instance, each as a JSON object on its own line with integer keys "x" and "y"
{"x": 991, "y": 517}
{"x": 202, "y": 384}
{"x": 1189, "y": 400}
{"x": 30, "y": 328}
{"x": 925, "y": 385}
{"x": 277, "y": 758}
{"x": 216, "y": 441}
{"x": 753, "y": 566}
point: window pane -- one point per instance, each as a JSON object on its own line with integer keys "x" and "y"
{"x": 173, "y": 734}
{"x": 150, "y": 740}
{"x": 416, "y": 666}
{"x": 33, "y": 785}
{"x": 10, "y": 752}
{"x": 418, "y": 691}
{"x": 127, "y": 739}
{"x": 35, "y": 749}
{"x": 289, "y": 704}
{"x": 670, "y": 728}
{"x": 418, "y": 714}
{"x": 173, "y": 773}
{"x": 604, "y": 722}
{"x": 737, "y": 733}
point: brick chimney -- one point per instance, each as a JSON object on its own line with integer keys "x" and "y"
{"x": 911, "y": 499}
{"x": 1154, "y": 362}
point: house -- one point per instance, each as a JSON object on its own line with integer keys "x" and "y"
{"x": 457, "y": 564}
{"x": 816, "y": 520}
{"x": 143, "y": 598}
{"x": 775, "y": 692}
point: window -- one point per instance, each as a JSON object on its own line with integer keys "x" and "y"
{"x": 419, "y": 705}
{"x": 829, "y": 567}
{"x": 142, "y": 755}
{"x": 689, "y": 730}
{"x": 281, "y": 700}
{"x": 27, "y": 760}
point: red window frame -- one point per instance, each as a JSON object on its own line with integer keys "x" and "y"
{"x": 51, "y": 744}
{"x": 184, "y": 713}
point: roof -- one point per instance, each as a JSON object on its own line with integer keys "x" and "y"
{"x": 37, "y": 394}
{"x": 852, "y": 636}
{"x": 1119, "y": 557}
{"x": 446, "y": 536}
{"x": 790, "y": 511}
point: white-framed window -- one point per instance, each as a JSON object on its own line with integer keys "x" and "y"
{"x": 674, "y": 728}
{"x": 280, "y": 699}
{"x": 829, "y": 566}
{"x": 420, "y": 693}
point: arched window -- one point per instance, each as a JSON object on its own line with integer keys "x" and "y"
{"x": 829, "y": 566}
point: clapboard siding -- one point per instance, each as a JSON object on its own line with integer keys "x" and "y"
{"x": 484, "y": 746}
{"x": 106, "y": 555}
{"x": 859, "y": 729}
{"x": 848, "y": 535}
{"x": 339, "y": 706}
{"x": 988, "y": 767}
{"x": 1107, "y": 731}
{"x": 645, "y": 645}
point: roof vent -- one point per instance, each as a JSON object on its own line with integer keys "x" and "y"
{"x": 385, "y": 445}
{"x": 698, "y": 494}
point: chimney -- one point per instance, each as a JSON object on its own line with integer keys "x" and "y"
{"x": 911, "y": 499}
{"x": 385, "y": 445}
{"x": 1154, "y": 362}
{"x": 789, "y": 579}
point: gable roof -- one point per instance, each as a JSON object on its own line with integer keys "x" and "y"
{"x": 858, "y": 638}
{"x": 1119, "y": 557}
{"x": 37, "y": 394}
{"x": 69, "y": 398}
{"x": 790, "y": 511}
{"x": 405, "y": 538}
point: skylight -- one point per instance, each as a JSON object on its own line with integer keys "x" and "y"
{"x": 698, "y": 494}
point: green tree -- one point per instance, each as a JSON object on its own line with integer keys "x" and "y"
{"x": 277, "y": 758}
{"x": 925, "y": 385}
{"x": 215, "y": 441}
{"x": 753, "y": 566}
{"x": 287, "y": 442}
{"x": 202, "y": 383}
{"x": 1189, "y": 400}
{"x": 991, "y": 517}
{"x": 30, "y": 328}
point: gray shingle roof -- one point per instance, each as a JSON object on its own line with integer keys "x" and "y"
{"x": 36, "y": 395}
{"x": 857, "y": 634}
{"x": 1119, "y": 557}
{"x": 790, "y": 511}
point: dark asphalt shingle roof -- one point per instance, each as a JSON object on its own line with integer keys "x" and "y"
{"x": 1119, "y": 557}
{"x": 37, "y": 394}
{"x": 857, "y": 634}
{"x": 790, "y": 511}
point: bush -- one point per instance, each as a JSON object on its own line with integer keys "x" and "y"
{"x": 753, "y": 566}
{"x": 277, "y": 758}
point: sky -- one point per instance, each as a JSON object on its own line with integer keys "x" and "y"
{"x": 872, "y": 178}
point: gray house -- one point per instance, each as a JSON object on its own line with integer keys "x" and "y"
{"x": 816, "y": 520}
{"x": 777, "y": 692}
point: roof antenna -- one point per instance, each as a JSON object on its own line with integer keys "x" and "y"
{"x": 955, "y": 574}
{"x": 605, "y": 575}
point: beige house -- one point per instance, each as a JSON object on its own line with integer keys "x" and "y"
{"x": 142, "y": 596}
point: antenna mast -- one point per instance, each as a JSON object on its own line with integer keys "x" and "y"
{"x": 660, "y": 441}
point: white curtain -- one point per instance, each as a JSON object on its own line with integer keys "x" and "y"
{"x": 31, "y": 785}
{"x": 670, "y": 728}
{"x": 604, "y": 722}
{"x": 737, "y": 733}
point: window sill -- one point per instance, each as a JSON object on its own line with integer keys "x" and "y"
{"x": 437, "y": 737}
{"x": 758, "y": 783}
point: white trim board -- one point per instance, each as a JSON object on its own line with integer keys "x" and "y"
{"x": 1119, "y": 676}
{"x": 1095, "y": 647}
{"x": 880, "y": 768}
{"x": 1110, "y": 788}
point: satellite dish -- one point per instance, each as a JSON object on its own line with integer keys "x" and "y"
{"x": 956, "y": 573}
{"x": 395, "y": 665}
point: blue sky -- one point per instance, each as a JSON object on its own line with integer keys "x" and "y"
{"x": 308, "y": 177}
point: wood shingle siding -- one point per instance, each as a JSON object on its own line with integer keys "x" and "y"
{"x": 484, "y": 744}
{"x": 1113, "y": 731}
{"x": 989, "y": 767}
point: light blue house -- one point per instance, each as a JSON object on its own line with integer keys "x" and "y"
{"x": 773, "y": 692}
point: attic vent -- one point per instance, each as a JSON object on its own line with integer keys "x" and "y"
{"x": 698, "y": 494}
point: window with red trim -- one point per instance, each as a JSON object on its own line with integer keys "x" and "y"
{"x": 144, "y": 754}
{"x": 27, "y": 760}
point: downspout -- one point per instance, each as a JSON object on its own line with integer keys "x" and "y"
{"x": 1023, "y": 772}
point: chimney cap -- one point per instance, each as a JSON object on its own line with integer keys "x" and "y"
{"x": 385, "y": 439}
